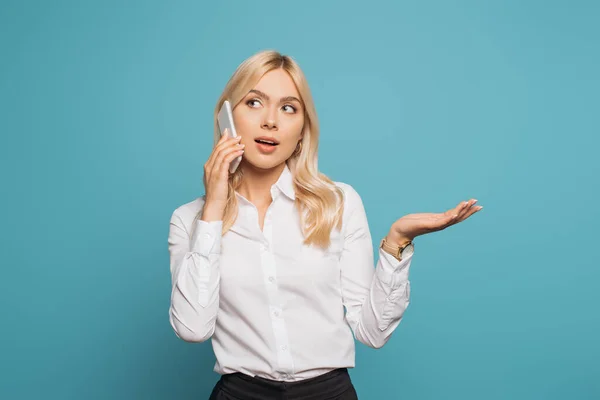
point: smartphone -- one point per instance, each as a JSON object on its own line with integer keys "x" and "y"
{"x": 225, "y": 121}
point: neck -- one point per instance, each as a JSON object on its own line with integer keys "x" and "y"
{"x": 256, "y": 184}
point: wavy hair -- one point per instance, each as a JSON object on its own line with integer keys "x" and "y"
{"x": 319, "y": 201}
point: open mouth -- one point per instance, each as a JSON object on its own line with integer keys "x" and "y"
{"x": 266, "y": 142}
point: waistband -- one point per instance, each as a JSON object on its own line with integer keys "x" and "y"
{"x": 330, "y": 384}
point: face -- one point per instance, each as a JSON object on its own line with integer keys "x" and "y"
{"x": 271, "y": 111}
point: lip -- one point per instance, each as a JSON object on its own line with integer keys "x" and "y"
{"x": 265, "y": 148}
{"x": 267, "y": 138}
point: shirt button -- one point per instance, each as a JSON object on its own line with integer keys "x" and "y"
{"x": 284, "y": 348}
{"x": 207, "y": 236}
{"x": 276, "y": 313}
{"x": 271, "y": 279}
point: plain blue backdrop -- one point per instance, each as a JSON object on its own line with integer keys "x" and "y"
{"x": 106, "y": 111}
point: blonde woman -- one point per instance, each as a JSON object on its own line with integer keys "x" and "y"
{"x": 275, "y": 262}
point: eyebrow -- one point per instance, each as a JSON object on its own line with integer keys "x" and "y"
{"x": 287, "y": 98}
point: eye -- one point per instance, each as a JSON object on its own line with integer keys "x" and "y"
{"x": 290, "y": 106}
{"x": 249, "y": 102}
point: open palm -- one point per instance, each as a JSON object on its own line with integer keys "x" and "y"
{"x": 413, "y": 225}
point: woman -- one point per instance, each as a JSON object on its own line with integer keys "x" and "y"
{"x": 266, "y": 261}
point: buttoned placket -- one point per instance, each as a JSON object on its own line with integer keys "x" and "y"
{"x": 284, "y": 357}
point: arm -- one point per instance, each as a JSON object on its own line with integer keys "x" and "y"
{"x": 195, "y": 258}
{"x": 375, "y": 299}
{"x": 195, "y": 278}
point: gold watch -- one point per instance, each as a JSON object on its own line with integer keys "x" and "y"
{"x": 398, "y": 251}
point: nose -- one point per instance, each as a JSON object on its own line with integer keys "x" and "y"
{"x": 269, "y": 121}
{"x": 269, "y": 124}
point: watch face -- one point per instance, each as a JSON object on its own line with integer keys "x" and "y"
{"x": 408, "y": 250}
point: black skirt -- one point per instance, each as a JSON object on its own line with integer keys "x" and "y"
{"x": 334, "y": 385}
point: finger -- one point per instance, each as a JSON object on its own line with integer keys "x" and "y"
{"x": 228, "y": 152}
{"x": 459, "y": 207}
{"x": 224, "y": 143}
{"x": 449, "y": 220}
{"x": 456, "y": 210}
{"x": 208, "y": 165}
{"x": 454, "y": 215}
{"x": 225, "y": 148}
{"x": 228, "y": 157}
{"x": 224, "y": 137}
{"x": 466, "y": 208}
{"x": 469, "y": 209}
{"x": 472, "y": 211}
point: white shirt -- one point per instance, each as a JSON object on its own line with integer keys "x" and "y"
{"x": 273, "y": 306}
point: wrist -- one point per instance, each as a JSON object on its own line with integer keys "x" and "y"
{"x": 397, "y": 239}
{"x": 212, "y": 212}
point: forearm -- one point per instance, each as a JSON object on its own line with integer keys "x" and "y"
{"x": 195, "y": 299}
{"x": 386, "y": 302}
{"x": 195, "y": 279}
{"x": 375, "y": 299}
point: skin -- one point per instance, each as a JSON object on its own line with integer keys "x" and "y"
{"x": 269, "y": 109}
{"x": 272, "y": 108}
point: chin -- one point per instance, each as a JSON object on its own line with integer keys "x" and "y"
{"x": 262, "y": 163}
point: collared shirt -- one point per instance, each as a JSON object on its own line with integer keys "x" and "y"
{"x": 272, "y": 306}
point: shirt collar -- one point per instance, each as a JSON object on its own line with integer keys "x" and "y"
{"x": 245, "y": 223}
{"x": 285, "y": 183}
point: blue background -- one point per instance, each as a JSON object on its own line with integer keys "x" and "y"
{"x": 106, "y": 123}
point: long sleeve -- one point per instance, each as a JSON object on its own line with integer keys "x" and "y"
{"x": 375, "y": 299}
{"x": 194, "y": 264}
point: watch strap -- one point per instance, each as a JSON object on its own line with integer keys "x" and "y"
{"x": 395, "y": 251}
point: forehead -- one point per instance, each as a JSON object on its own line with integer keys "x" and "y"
{"x": 277, "y": 83}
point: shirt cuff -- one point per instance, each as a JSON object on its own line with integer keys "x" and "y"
{"x": 392, "y": 272}
{"x": 207, "y": 237}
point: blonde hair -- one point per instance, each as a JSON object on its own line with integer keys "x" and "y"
{"x": 319, "y": 201}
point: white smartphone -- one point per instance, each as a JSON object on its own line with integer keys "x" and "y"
{"x": 225, "y": 121}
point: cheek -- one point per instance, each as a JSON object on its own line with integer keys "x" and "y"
{"x": 243, "y": 121}
{"x": 294, "y": 126}
{"x": 294, "y": 132}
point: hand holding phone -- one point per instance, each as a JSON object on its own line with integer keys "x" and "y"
{"x": 225, "y": 121}
{"x": 216, "y": 176}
